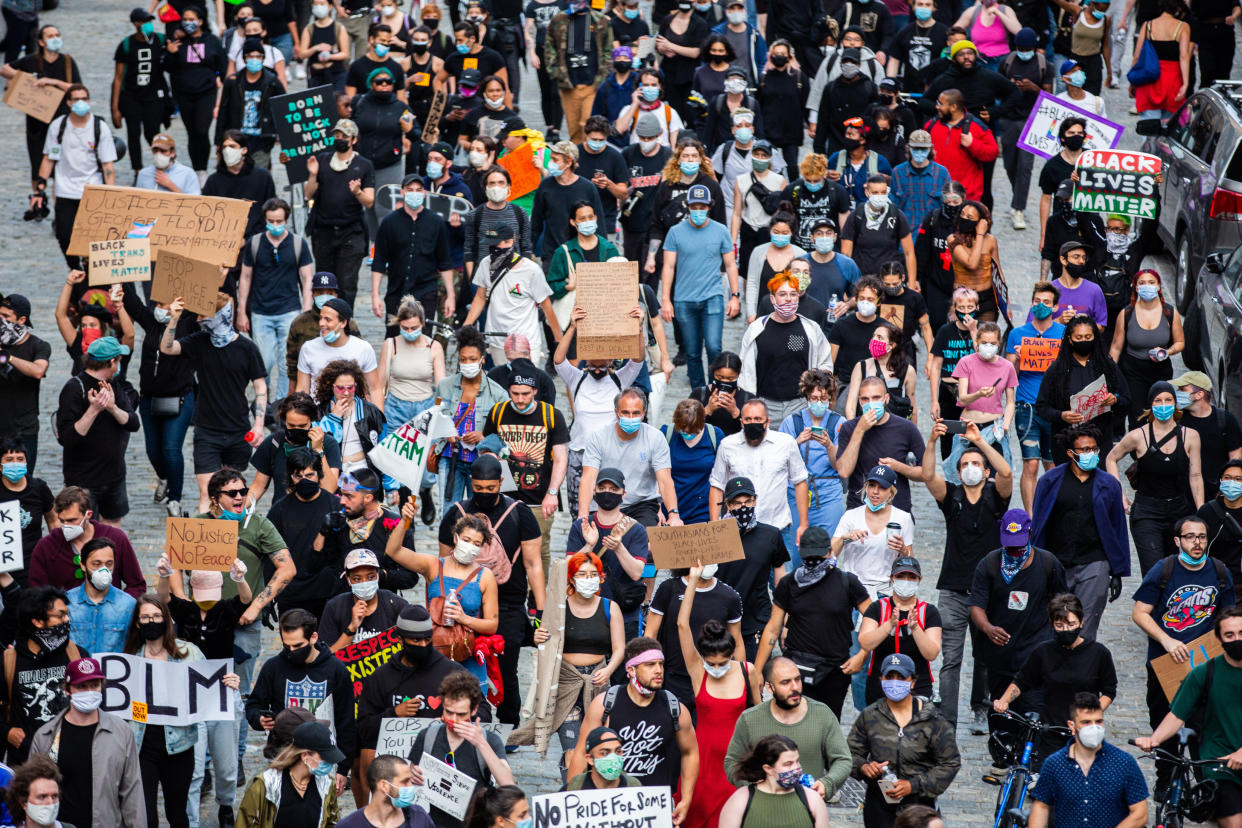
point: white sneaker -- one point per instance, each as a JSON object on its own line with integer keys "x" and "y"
{"x": 174, "y": 508}
{"x": 1116, "y": 84}
{"x": 1019, "y": 220}
{"x": 299, "y": 71}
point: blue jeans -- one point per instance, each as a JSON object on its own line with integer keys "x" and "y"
{"x": 702, "y": 323}
{"x": 827, "y": 505}
{"x": 247, "y": 644}
{"x": 220, "y": 738}
{"x": 283, "y": 42}
{"x": 461, "y": 482}
{"x": 271, "y": 333}
{"x": 165, "y": 437}
{"x": 398, "y": 412}
{"x": 1034, "y": 433}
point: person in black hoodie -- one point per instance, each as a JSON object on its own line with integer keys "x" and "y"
{"x": 782, "y": 94}
{"x": 299, "y": 517}
{"x": 166, "y": 387}
{"x": 843, "y": 98}
{"x": 237, "y": 176}
{"x": 239, "y": 110}
{"x": 985, "y": 93}
{"x": 195, "y": 62}
{"x": 306, "y": 674}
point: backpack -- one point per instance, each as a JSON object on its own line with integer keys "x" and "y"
{"x": 674, "y": 706}
{"x": 476, "y": 219}
{"x": 612, "y": 375}
{"x": 117, "y": 143}
{"x": 799, "y": 791}
{"x": 919, "y": 614}
{"x": 671, "y": 433}
{"x": 1007, "y": 64}
{"x": 299, "y": 247}
{"x": 1166, "y": 572}
{"x": 493, "y": 555}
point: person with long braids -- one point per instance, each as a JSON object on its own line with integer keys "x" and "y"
{"x": 974, "y": 252}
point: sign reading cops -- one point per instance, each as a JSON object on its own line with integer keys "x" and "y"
{"x": 303, "y": 123}
{"x": 1117, "y": 181}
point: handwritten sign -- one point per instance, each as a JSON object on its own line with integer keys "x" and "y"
{"x": 1039, "y": 135}
{"x": 397, "y": 735}
{"x": 648, "y": 807}
{"x": 206, "y": 228}
{"x": 167, "y": 692}
{"x": 1037, "y": 353}
{"x": 120, "y": 260}
{"x": 39, "y": 102}
{"x": 446, "y": 787}
{"x": 201, "y": 543}
{"x": 717, "y": 541}
{"x": 1170, "y": 674}
{"x": 197, "y": 283}
{"x": 431, "y": 129}
{"x": 11, "y": 555}
{"x": 303, "y": 122}
{"x": 608, "y": 331}
{"x": 522, "y": 170}
{"x": 1117, "y": 181}
{"x": 363, "y": 658}
{"x": 402, "y": 455}
{"x": 1089, "y": 402}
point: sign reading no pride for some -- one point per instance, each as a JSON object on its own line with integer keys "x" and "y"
{"x": 1117, "y": 181}
{"x": 200, "y": 543}
{"x": 645, "y": 807}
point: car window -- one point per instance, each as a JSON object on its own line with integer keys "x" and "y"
{"x": 1186, "y": 119}
{"x": 1202, "y": 132}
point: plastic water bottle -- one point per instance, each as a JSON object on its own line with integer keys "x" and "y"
{"x": 887, "y": 781}
{"x": 452, "y": 597}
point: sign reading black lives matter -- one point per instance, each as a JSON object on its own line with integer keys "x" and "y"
{"x": 1117, "y": 181}
{"x": 304, "y": 126}
{"x": 646, "y": 807}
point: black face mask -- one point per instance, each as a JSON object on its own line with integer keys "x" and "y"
{"x": 306, "y": 489}
{"x": 779, "y": 61}
{"x": 416, "y": 656}
{"x": 745, "y": 516}
{"x": 1066, "y": 638}
{"x": 754, "y": 431}
{"x": 851, "y": 143}
{"x": 598, "y": 373}
{"x": 1233, "y": 649}
{"x": 340, "y": 145}
{"x": 621, "y": 66}
{"x": 886, "y": 99}
{"x": 967, "y": 227}
{"x": 1083, "y": 347}
{"x": 419, "y": 48}
{"x": 608, "y": 500}
{"x": 297, "y": 655}
{"x": 486, "y": 500}
{"x": 151, "y": 630}
{"x": 297, "y": 436}
{"x": 501, "y": 255}
{"x": 383, "y": 97}
{"x": 883, "y": 134}
{"x": 951, "y": 210}
{"x": 893, "y": 290}
{"x": 1073, "y": 142}
{"x": 1077, "y": 270}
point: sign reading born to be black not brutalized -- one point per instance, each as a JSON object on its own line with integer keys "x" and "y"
{"x": 304, "y": 126}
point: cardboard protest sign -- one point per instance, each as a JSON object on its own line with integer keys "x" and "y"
{"x": 39, "y": 102}
{"x": 446, "y": 787}
{"x": 363, "y": 658}
{"x": 1040, "y": 133}
{"x": 397, "y": 735}
{"x": 195, "y": 282}
{"x": 120, "y": 260}
{"x": 608, "y": 331}
{"x": 649, "y": 807}
{"x": 303, "y": 123}
{"x": 206, "y": 228}
{"x": 201, "y": 543}
{"x": 1037, "y": 353}
{"x": 166, "y": 692}
{"x": 1170, "y": 674}
{"x": 1117, "y": 181}
{"x": 1089, "y": 402}
{"x": 11, "y": 555}
{"x": 402, "y": 454}
{"x": 524, "y": 174}
{"x": 716, "y": 541}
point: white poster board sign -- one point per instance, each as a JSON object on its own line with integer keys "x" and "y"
{"x": 397, "y": 735}
{"x": 446, "y": 787}
{"x": 11, "y": 557}
{"x": 649, "y": 807}
{"x": 166, "y": 692}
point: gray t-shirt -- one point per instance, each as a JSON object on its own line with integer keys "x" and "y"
{"x": 638, "y": 459}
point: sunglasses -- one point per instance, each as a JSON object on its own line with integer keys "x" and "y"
{"x": 344, "y": 389}
{"x": 232, "y": 492}
{"x": 382, "y": 82}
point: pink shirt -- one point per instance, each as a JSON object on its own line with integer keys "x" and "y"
{"x": 979, "y": 373}
{"x": 993, "y": 40}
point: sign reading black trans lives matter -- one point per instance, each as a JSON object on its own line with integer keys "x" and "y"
{"x": 304, "y": 126}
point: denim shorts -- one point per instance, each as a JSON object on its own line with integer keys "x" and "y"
{"x": 1034, "y": 433}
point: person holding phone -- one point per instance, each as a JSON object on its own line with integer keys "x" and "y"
{"x": 721, "y": 398}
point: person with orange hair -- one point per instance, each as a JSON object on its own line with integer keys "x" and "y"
{"x": 778, "y": 347}
{"x": 591, "y": 649}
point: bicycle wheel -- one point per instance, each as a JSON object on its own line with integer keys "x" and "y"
{"x": 1014, "y": 796}
{"x": 1168, "y": 816}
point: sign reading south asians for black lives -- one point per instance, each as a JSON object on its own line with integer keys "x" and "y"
{"x": 1117, "y": 181}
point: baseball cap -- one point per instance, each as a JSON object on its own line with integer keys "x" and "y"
{"x": 17, "y": 303}
{"x": 324, "y": 280}
{"x": 824, "y": 222}
{"x": 699, "y": 194}
{"x": 512, "y": 124}
{"x": 1070, "y": 247}
{"x": 852, "y": 54}
{"x": 1068, "y": 66}
{"x": 315, "y": 736}
{"x": 140, "y": 16}
{"x": 960, "y": 45}
{"x": 1015, "y": 528}
{"x": 919, "y": 138}
{"x": 906, "y": 564}
{"x": 649, "y": 126}
{"x": 565, "y": 148}
{"x": 84, "y": 670}
{"x": 761, "y": 145}
{"x": 1025, "y": 38}
{"x": 105, "y": 348}
{"x": 410, "y": 179}
{"x": 206, "y": 585}
{"x": 735, "y": 71}
{"x": 611, "y": 475}
{"x": 1065, "y": 190}
{"x": 1196, "y": 378}
{"x": 600, "y": 735}
{"x": 361, "y": 557}
{"x": 889, "y": 83}
{"x": 883, "y": 475}
{"x": 471, "y": 77}
{"x": 816, "y": 542}
{"x": 527, "y": 378}
{"x": 346, "y": 127}
{"x": 166, "y": 140}
{"x": 738, "y": 486}
{"x": 414, "y": 622}
{"x": 898, "y": 663}
{"x": 281, "y": 734}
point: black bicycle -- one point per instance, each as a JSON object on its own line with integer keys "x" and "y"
{"x": 1184, "y": 799}
{"x": 1018, "y": 745}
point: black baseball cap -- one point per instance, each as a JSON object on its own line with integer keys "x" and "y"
{"x": 738, "y": 486}
{"x": 17, "y": 303}
{"x": 816, "y": 542}
{"x": 600, "y": 735}
{"x": 315, "y": 736}
{"x": 907, "y": 565}
{"x": 140, "y": 16}
{"x": 611, "y": 475}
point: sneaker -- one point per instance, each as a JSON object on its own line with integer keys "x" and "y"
{"x": 299, "y": 72}
{"x": 835, "y": 799}
{"x": 1019, "y": 220}
{"x": 226, "y": 811}
{"x": 174, "y": 508}
{"x": 161, "y": 490}
{"x": 1116, "y": 84}
{"x": 1133, "y": 109}
{"x": 554, "y": 135}
{"x": 979, "y": 725}
{"x": 997, "y": 771}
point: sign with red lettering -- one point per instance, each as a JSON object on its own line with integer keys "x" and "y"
{"x": 364, "y": 657}
{"x": 199, "y": 543}
{"x": 1117, "y": 182}
{"x": 1037, "y": 353}
{"x": 1090, "y": 401}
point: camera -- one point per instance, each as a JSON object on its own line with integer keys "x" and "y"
{"x": 578, "y": 61}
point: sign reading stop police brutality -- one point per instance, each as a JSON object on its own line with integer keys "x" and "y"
{"x": 1040, "y": 133}
{"x": 166, "y": 692}
{"x": 1117, "y": 181}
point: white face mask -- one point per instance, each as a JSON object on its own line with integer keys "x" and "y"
{"x": 72, "y": 531}
{"x": 465, "y": 553}
{"x": 497, "y": 194}
{"x": 709, "y": 571}
{"x": 717, "y": 671}
{"x": 162, "y": 160}
{"x": 231, "y": 155}
{"x": 470, "y": 370}
{"x": 988, "y": 350}
{"x": 42, "y": 814}
{"x": 86, "y": 701}
{"x": 586, "y": 587}
{"x": 1091, "y": 736}
{"x": 866, "y": 308}
{"x": 905, "y": 589}
{"x": 101, "y": 578}
{"x": 477, "y": 159}
{"x": 971, "y": 475}
{"x": 365, "y": 590}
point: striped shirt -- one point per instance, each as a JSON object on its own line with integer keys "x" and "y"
{"x": 487, "y": 221}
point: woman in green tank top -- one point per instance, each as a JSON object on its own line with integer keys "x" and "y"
{"x": 775, "y": 795}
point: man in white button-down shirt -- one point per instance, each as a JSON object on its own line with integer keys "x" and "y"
{"x": 772, "y": 462}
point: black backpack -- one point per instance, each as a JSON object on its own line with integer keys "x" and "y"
{"x": 674, "y": 706}
{"x": 98, "y": 124}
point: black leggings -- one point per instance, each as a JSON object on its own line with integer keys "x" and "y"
{"x": 19, "y": 34}
{"x": 36, "y": 136}
{"x": 143, "y": 119}
{"x": 196, "y": 115}
{"x": 549, "y": 99}
{"x": 174, "y": 773}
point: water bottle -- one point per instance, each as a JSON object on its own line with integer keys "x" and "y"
{"x": 452, "y": 596}
{"x": 833, "y": 301}
{"x": 887, "y": 781}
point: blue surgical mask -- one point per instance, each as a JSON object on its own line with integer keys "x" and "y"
{"x": 434, "y": 169}
{"x": 895, "y": 689}
{"x": 411, "y": 336}
{"x": 877, "y": 407}
{"x": 1098, "y": 15}
{"x": 1148, "y": 292}
{"x": 1087, "y": 460}
{"x": 404, "y": 797}
{"x": 596, "y": 146}
{"x": 689, "y": 168}
{"x": 1025, "y": 55}
{"x": 81, "y": 108}
{"x": 687, "y": 436}
{"x": 1078, "y": 78}
{"x": 381, "y": 50}
{"x": 227, "y": 515}
{"x": 463, "y": 48}
{"x": 631, "y": 14}
{"x": 824, "y": 244}
{"x": 814, "y": 186}
{"x": 922, "y": 14}
{"x": 698, "y": 217}
{"x": 629, "y": 424}
{"x": 817, "y": 408}
{"x": 414, "y": 200}
{"x": 147, "y": 29}
{"x": 1231, "y": 489}
{"x": 276, "y": 229}
{"x": 161, "y": 315}
{"x": 254, "y": 65}
{"x": 321, "y": 300}
{"x": 875, "y": 507}
{"x": 554, "y": 169}
{"x": 650, "y": 93}
{"x": 920, "y": 155}
{"x": 779, "y": 239}
{"x": 1188, "y": 559}
{"x": 331, "y": 336}
{"x": 588, "y": 228}
{"x": 1183, "y": 399}
{"x": 54, "y": 44}
{"x": 743, "y": 135}
{"x": 528, "y": 409}
{"x": 324, "y": 768}
{"x": 1163, "y": 413}
{"x": 14, "y": 472}
{"x": 529, "y": 822}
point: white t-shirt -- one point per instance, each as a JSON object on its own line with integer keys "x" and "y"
{"x": 593, "y": 400}
{"x": 76, "y": 164}
{"x": 670, "y": 121}
{"x": 513, "y": 302}
{"x": 1091, "y": 103}
{"x": 871, "y": 559}
{"x": 316, "y": 353}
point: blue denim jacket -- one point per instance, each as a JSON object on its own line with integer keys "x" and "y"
{"x": 177, "y": 738}
{"x": 100, "y": 628}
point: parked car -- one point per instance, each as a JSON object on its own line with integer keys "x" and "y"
{"x": 1214, "y": 326}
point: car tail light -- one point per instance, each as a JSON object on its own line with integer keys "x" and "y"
{"x": 1226, "y": 205}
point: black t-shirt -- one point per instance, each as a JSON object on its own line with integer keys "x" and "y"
{"x": 361, "y": 69}
{"x": 1072, "y": 532}
{"x": 904, "y": 311}
{"x": 678, "y": 70}
{"x": 542, "y": 14}
{"x": 645, "y": 174}
{"x": 530, "y": 438}
{"x": 335, "y": 204}
{"x": 20, "y": 412}
{"x": 830, "y": 202}
{"x": 720, "y": 602}
{"x": 902, "y": 641}
{"x": 223, "y": 374}
{"x": 269, "y": 458}
{"x": 896, "y": 437}
{"x": 1056, "y": 169}
{"x": 1062, "y": 673}
{"x": 721, "y": 418}
{"x": 338, "y": 616}
{"x": 297, "y": 810}
{"x": 915, "y": 47}
{"x": 298, "y": 522}
{"x": 520, "y": 525}
{"x": 1018, "y": 607}
{"x": 76, "y": 765}
{"x": 613, "y": 165}
{"x": 820, "y": 616}
{"x": 626, "y": 32}
{"x": 875, "y": 248}
{"x": 972, "y": 530}
{"x": 1215, "y": 444}
{"x": 851, "y": 335}
{"x": 141, "y": 58}
{"x": 212, "y": 634}
{"x": 34, "y": 502}
{"x": 765, "y": 550}
{"x": 487, "y": 61}
{"x": 951, "y": 344}
{"x": 781, "y": 355}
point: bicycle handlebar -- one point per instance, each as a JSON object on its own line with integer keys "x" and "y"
{"x": 1175, "y": 758}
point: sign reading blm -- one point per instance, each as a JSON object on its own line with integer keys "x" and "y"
{"x": 304, "y": 126}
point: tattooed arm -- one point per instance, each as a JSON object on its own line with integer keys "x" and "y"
{"x": 285, "y": 570}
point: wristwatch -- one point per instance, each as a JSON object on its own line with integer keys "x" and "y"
{"x": 351, "y": 633}
{"x": 735, "y": 295}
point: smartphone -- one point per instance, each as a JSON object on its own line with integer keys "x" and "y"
{"x": 817, "y": 429}
{"x": 955, "y": 426}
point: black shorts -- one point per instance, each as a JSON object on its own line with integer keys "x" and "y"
{"x": 213, "y": 450}
{"x": 1228, "y": 798}
{"x": 110, "y": 502}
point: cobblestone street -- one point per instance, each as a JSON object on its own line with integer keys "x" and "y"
{"x": 32, "y": 264}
